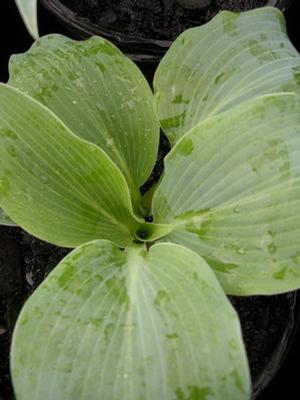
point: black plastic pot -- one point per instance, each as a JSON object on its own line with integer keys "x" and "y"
{"x": 282, "y": 345}
{"x": 140, "y": 49}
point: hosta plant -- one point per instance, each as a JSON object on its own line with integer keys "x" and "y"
{"x": 139, "y": 309}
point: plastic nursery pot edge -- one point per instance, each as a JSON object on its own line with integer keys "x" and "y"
{"x": 138, "y": 48}
{"x": 282, "y": 349}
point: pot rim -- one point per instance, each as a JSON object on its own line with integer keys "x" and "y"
{"x": 138, "y": 48}
{"x": 283, "y": 347}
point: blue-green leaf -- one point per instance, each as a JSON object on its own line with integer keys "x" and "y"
{"x": 55, "y": 185}
{"x": 231, "y": 189}
{"x": 231, "y": 59}
{"x": 130, "y": 325}
{"x": 99, "y": 94}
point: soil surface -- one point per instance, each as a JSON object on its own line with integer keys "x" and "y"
{"x": 156, "y": 19}
{"x": 26, "y": 261}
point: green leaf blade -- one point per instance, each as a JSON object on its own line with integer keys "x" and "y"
{"x": 55, "y": 185}
{"x": 231, "y": 189}
{"x": 28, "y": 11}
{"x": 130, "y": 325}
{"x": 212, "y": 68}
{"x": 99, "y": 94}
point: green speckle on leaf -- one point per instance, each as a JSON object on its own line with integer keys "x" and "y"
{"x": 25, "y": 319}
{"x": 218, "y": 78}
{"x": 172, "y": 336}
{"x": 201, "y": 228}
{"x": 108, "y": 330}
{"x": 195, "y": 276}
{"x": 296, "y": 71}
{"x": 4, "y": 132}
{"x": 185, "y": 147}
{"x": 296, "y": 257}
{"x": 285, "y": 170}
{"x": 194, "y": 393}
{"x": 237, "y": 380}
{"x": 233, "y": 344}
{"x": 272, "y": 248}
{"x": 96, "y": 321}
{"x": 280, "y": 274}
{"x": 116, "y": 287}
{"x": 161, "y": 297}
{"x": 179, "y": 100}
{"x": 229, "y": 23}
{"x": 11, "y": 150}
{"x": 106, "y": 48}
{"x": 100, "y": 66}
{"x": 173, "y": 122}
{"x": 221, "y": 266}
{"x": 260, "y": 52}
{"x": 190, "y": 214}
{"x": 66, "y": 276}
{"x": 4, "y": 185}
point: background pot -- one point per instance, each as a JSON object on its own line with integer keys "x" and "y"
{"x": 146, "y": 50}
{"x": 281, "y": 349}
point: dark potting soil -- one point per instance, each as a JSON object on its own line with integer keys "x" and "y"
{"x": 156, "y": 19}
{"x": 26, "y": 261}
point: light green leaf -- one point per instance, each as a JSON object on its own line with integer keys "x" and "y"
{"x": 99, "y": 94}
{"x": 130, "y": 325}
{"x": 231, "y": 188}
{"x": 231, "y": 59}
{"x": 28, "y": 11}
{"x": 55, "y": 185}
{"x": 5, "y": 220}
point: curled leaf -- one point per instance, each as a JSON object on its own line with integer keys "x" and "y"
{"x": 28, "y": 11}
{"x": 5, "y": 220}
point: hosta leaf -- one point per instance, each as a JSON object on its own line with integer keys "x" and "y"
{"x": 130, "y": 325}
{"x": 99, "y": 94}
{"x": 231, "y": 189}
{"x": 55, "y": 185}
{"x": 5, "y": 220}
{"x": 28, "y": 11}
{"x": 229, "y": 60}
